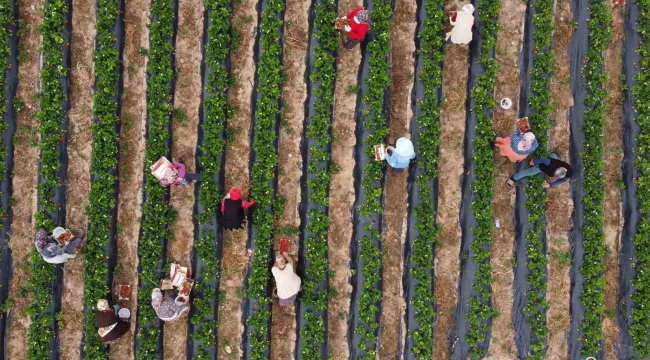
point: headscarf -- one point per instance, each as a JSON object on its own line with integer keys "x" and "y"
{"x": 40, "y": 240}
{"x": 468, "y": 9}
{"x": 404, "y": 147}
{"x": 102, "y": 305}
{"x": 235, "y": 194}
{"x": 280, "y": 262}
{"x": 526, "y": 141}
{"x": 156, "y": 298}
{"x": 362, "y": 16}
{"x": 58, "y": 231}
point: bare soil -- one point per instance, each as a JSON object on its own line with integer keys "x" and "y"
{"x": 342, "y": 194}
{"x": 560, "y": 203}
{"x": 613, "y": 157}
{"x": 509, "y": 41}
{"x": 24, "y": 179}
{"x": 78, "y": 184}
{"x": 402, "y": 72}
{"x": 452, "y": 121}
{"x": 235, "y": 255}
{"x": 187, "y": 98}
{"x": 294, "y": 93}
{"x": 131, "y": 169}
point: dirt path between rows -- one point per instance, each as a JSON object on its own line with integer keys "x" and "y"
{"x": 452, "y": 121}
{"x": 79, "y": 145}
{"x": 395, "y": 195}
{"x": 131, "y": 170}
{"x": 508, "y": 48}
{"x": 342, "y": 194}
{"x": 560, "y": 202}
{"x": 235, "y": 255}
{"x": 294, "y": 93}
{"x": 24, "y": 178}
{"x": 613, "y": 173}
{"x": 187, "y": 98}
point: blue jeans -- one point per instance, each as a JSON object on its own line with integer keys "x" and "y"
{"x": 531, "y": 171}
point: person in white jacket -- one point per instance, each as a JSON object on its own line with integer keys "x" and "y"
{"x": 462, "y": 22}
{"x": 50, "y": 249}
{"x": 287, "y": 282}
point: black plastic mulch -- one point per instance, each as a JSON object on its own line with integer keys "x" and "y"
{"x": 467, "y": 221}
{"x": 413, "y": 189}
{"x": 9, "y": 117}
{"x": 624, "y": 348}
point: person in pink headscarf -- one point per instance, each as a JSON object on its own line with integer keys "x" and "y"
{"x": 232, "y": 208}
{"x": 518, "y": 146}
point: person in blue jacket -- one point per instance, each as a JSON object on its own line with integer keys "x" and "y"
{"x": 400, "y": 156}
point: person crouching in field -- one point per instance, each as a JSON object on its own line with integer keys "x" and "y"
{"x": 51, "y": 248}
{"x": 287, "y": 282}
{"x": 110, "y": 327}
{"x": 551, "y": 166}
{"x": 462, "y": 21}
{"x": 232, "y": 208}
{"x": 357, "y": 27}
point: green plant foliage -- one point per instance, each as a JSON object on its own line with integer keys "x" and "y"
{"x": 594, "y": 183}
{"x": 432, "y": 53}
{"x": 217, "y": 113}
{"x": 480, "y": 311}
{"x": 374, "y": 122}
{"x": 319, "y": 175}
{"x": 6, "y": 21}
{"x": 536, "y": 197}
{"x": 51, "y": 131}
{"x": 157, "y": 214}
{"x": 269, "y": 70}
{"x": 103, "y": 164}
{"x": 641, "y": 93}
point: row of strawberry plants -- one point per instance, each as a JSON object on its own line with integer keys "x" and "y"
{"x": 374, "y": 123}
{"x": 157, "y": 214}
{"x": 51, "y": 115}
{"x": 216, "y": 113}
{"x": 536, "y": 197}
{"x": 103, "y": 167}
{"x": 432, "y": 54}
{"x": 480, "y": 311}
{"x": 641, "y": 93}
{"x": 269, "y": 72}
{"x": 593, "y": 267}
{"x": 319, "y": 172}
{"x": 7, "y": 28}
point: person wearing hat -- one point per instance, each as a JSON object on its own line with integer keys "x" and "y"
{"x": 166, "y": 307}
{"x": 400, "y": 156}
{"x": 357, "y": 27}
{"x": 287, "y": 282}
{"x": 551, "y": 166}
{"x": 51, "y": 250}
{"x": 518, "y": 146}
{"x": 110, "y": 327}
{"x": 232, "y": 208}
{"x": 462, "y": 22}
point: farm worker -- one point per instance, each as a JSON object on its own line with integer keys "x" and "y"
{"x": 400, "y": 156}
{"x": 552, "y": 167}
{"x": 179, "y": 176}
{"x": 109, "y": 324}
{"x": 166, "y": 307}
{"x": 286, "y": 281}
{"x": 462, "y": 22}
{"x": 518, "y": 146}
{"x": 356, "y": 28}
{"x": 232, "y": 208}
{"x": 50, "y": 249}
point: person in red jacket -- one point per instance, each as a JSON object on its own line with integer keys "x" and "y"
{"x": 232, "y": 208}
{"x": 357, "y": 27}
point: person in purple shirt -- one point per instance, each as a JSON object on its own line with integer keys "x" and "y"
{"x": 182, "y": 178}
{"x": 552, "y": 167}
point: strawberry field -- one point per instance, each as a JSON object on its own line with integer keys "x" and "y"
{"x": 441, "y": 261}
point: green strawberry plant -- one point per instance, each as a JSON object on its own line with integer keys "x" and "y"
{"x": 269, "y": 71}
{"x": 480, "y": 312}
{"x": 318, "y": 181}
{"x": 217, "y": 113}
{"x": 7, "y": 21}
{"x": 374, "y": 121}
{"x": 641, "y": 93}
{"x": 432, "y": 53}
{"x": 536, "y": 197}
{"x": 157, "y": 214}
{"x": 594, "y": 183}
{"x": 52, "y": 135}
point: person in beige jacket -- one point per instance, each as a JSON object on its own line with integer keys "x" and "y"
{"x": 286, "y": 281}
{"x": 462, "y": 22}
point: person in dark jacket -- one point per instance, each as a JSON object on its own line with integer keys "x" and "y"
{"x": 232, "y": 208}
{"x": 110, "y": 326}
{"x": 552, "y": 167}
